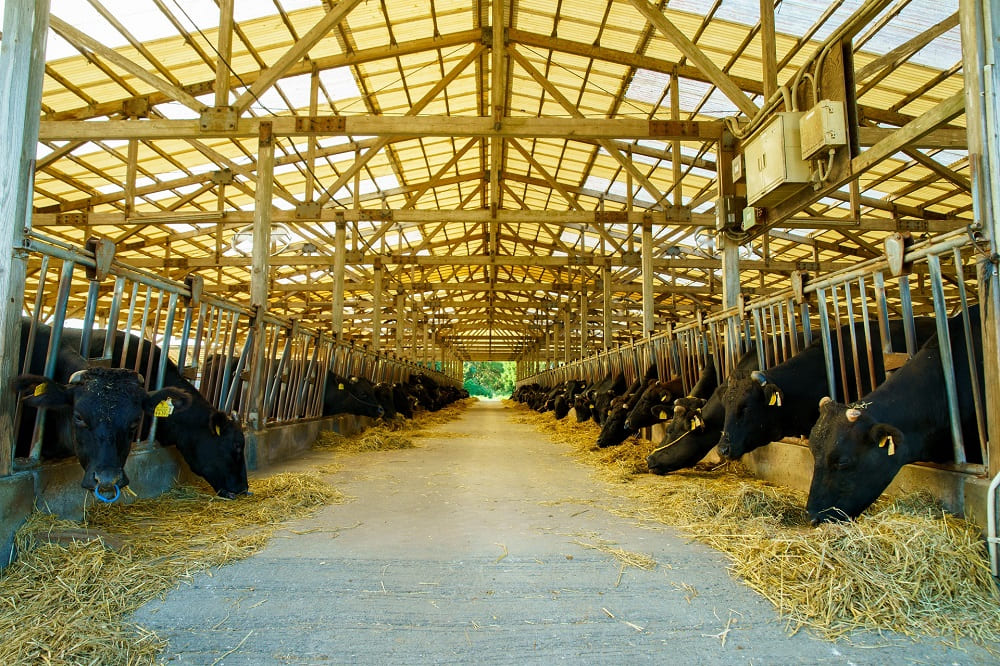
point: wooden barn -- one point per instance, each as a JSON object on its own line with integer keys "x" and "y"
{"x": 268, "y": 216}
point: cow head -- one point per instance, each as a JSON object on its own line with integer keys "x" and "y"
{"x": 854, "y": 459}
{"x": 107, "y": 407}
{"x": 690, "y": 435}
{"x": 583, "y": 407}
{"x": 751, "y": 415}
{"x": 353, "y": 395}
{"x": 653, "y": 406}
{"x": 220, "y": 458}
{"x": 602, "y": 404}
{"x": 560, "y": 405}
{"x": 613, "y": 430}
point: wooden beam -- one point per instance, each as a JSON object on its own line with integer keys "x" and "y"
{"x": 224, "y": 53}
{"x": 86, "y": 42}
{"x": 298, "y": 50}
{"x": 389, "y": 126}
{"x": 691, "y": 51}
{"x": 260, "y": 266}
{"x": 903, "y": 52}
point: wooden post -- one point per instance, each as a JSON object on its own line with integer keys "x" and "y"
{"x": 567, "y": 335}
{"x": 260, "y": 266}
{"x": 730, "y": 272}
{"x": 584, "y": 324}
{"x": 22, "y": 65}
{"x": 400, "y": 305}
{"x": 769, "y": 60}
{"x": 262, "y": 218}
{"x": 339, "y": 261}
{"x": 606, "y": 284}
{"x": 980, "y": 46}
{"x": 225, "y": 56}
{"x": 647, "y": 278}
{"x": 377, "y": 310}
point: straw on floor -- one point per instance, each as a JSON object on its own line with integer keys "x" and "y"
{"x": 66, "y": 598}
{"x": 905, "y": 565}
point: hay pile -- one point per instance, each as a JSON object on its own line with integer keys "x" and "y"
{"x": 64, "y": 603}
{"x": 904, "y": 566}
{"x": 392, "y": 435}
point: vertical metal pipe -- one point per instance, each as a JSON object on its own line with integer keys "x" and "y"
{"x": 824, "y": 331}
{"x": 947, "y": 359}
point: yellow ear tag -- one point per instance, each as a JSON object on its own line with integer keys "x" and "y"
{"x": 892, "y": 445}
{"x": 340, "y": 387}
{"x": 218, "y": 431}
{"x": 663, "y": 399}
{"x": 775, "y": 400}
{"x": 664, "y": 414}
{"x": 41, "y": 388}
{"x": 696, "y": 423}
{"x": 591, "y": 406}
{"x": 164, "y": 408}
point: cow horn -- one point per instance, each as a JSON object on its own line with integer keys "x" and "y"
{"x": 77, "y": 377}
{"x": 759, "y": 377}
{"x": 824, "y": 401}
{"x": 679, "y": 409}
{"x": 853, "y": 415}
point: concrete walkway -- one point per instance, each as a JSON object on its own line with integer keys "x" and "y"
{"x": 468, "y": 550}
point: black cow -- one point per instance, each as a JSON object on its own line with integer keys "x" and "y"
{"x": 602, "y": 394}
{"x": 697, "y": 422}
{"x": 616, "y": 427}
{"x": 858, "y": 449}
{"x": 94, "y": 414}
{"x": 211, "y": 442}
{"x": 350, "y": 395}
{"x": 653, "y": 405}
{"x": 782, "y": 401}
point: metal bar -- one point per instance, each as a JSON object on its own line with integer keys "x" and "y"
{"x": 970, "y": 350}
{"x": 824, "y": 331}
{"x": 906, "y": 300}
{"x": 90, "y": 311}
{"x": 947, "y": 360}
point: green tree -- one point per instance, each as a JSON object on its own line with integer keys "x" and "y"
{"x": 490, "y": 378}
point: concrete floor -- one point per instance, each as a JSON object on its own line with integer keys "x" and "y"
{"x": 465, "y": 551}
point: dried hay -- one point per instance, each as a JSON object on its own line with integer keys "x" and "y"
{"x": 65, "y": 604}
{"x": 904, "y": 566}
{"x": 394, "y": 434}
{"x": 372, "y": 439}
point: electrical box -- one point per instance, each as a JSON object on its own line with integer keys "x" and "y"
{"x": 822, "y": 127}
{"x": 728, "y": 210}
{"x": 738, "y": 171}
{"x": 773, "y": 161}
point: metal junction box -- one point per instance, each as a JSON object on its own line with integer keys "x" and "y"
{"x": 822, "y": 127}
{"x": 773, "y": 162}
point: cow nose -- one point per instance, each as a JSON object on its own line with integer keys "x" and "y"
{"x": 628, "y": 424}
{"x": 381, "y": 412}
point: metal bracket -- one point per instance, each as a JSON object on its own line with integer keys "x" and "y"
{"x": 136, "y": 107}
{"x": 222, "y": 176}
{"x": 374, "y": 215}
{"x": 218, "y": 118}
{"x": 807, "y": 266}
{"x": 71, "y": 219}
{"x": 631, "y": 258}
{"x": 104, "y": 254}
{"x": 920, "y": 226}
{"x": 196, "y": 285}
{"x": 320, "y": 124}
{"x": 799, "y": 279}
{"x": 895, "y": 249}
{"x": 611, "y": 217}
{"x": 308, "y": 211}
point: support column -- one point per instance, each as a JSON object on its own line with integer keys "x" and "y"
{"x": 647, "y": 278}
{"x": 225, "y": 48}
{"x": 567, "y": 335}
{"x": 377, "y": 309}
{"x": 584, "y": 323}
{"x": 261, "y": 266}
{"x": 22, "y": 66}
{"x": 400, "y": 309}
{"x": 606, "y": 285}
{"x": 980, "y": 29}
{"x": 339, "y": 261}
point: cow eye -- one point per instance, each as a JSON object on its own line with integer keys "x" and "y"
{"x": 79, "y": 421}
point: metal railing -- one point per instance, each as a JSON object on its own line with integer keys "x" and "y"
{"x": 848, "y": 312}
{"x": 214, "y": 343}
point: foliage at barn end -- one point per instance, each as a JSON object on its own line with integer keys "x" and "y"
{"x": 490, "y": 379}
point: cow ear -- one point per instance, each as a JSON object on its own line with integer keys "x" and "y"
{"x": 886, "y": 436}
{"x": 660, "y": 412}
{"x": 166, "y": 402}
{"x": 774, "y": 395}
{"x": 45, "y": 393}
{"x": 218, "y": 422}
